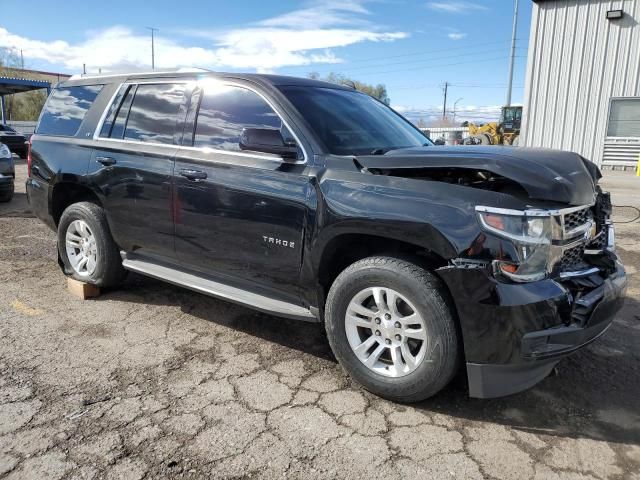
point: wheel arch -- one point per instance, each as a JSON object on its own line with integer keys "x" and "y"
{"x": 347, "y": 248}
{"x": 64, "y": 194}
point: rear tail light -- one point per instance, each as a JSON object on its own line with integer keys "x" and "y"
{"x": 29, "y": 160}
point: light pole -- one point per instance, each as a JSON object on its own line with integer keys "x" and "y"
{"x": 513, "y": 52}
{"x": 455, "y": 104}
{"x": 153, "y": 56}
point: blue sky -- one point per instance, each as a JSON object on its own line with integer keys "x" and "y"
{"x": 412, "y": 47}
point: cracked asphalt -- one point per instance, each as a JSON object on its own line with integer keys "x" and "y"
{"x": 153, "y": 381}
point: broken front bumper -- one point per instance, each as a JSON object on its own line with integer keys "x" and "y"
{"x": 514, "y": 334}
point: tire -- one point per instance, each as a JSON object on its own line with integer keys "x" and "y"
{"x": 485, "y": 139}
{"x": 393, "y": 377}
{"x": 105, "y": 269}
{"x": 8, "y": 195}
{"x": 516, "y": 141}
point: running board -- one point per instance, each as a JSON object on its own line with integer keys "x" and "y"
{"x": 216, "y": 289}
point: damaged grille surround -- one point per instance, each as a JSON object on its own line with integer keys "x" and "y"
{"x": 575, "y": 234}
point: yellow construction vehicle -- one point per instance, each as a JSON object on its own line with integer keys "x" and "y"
{"x": 504, "y": 132}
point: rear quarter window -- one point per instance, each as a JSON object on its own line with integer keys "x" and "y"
{"x": 66, "y": 108}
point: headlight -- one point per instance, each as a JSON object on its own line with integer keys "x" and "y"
{"x": 530, "y": 232}
{"x": 4, "y": 151}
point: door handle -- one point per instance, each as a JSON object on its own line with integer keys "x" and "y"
{"x": 193, "y": 174}
{"x": 106, "y": 161}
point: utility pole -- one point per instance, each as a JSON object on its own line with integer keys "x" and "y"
{"x": 153, "y": 53}
{"x": 22, "y": 59}
{"x": 84, "y": 68}
{"x": 513, "y": 53}
{"x": 444, "y": 107}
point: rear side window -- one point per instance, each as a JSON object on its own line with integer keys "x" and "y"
{"x": 65, "y": 109}
{"x": 154, "y": 113}
{"x": 116, "y": 120}
{"x": 225, "y": 110}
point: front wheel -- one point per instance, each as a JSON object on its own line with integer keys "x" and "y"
{"x": 86, "y": 247}
{"x": 392, "y": 329}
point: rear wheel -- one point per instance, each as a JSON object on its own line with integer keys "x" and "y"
{"x": 86, "y": 247}
{"x": 391, "y": 327}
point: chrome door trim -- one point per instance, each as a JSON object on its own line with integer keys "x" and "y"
{"x": 274, "y": 158}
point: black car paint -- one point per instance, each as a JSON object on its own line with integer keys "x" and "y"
{"x": 224, "y": 222}
{"x": 551, "y": 175}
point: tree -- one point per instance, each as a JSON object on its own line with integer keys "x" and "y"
{"x": 378, "y": 91}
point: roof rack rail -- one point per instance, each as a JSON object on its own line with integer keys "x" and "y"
{"x": 79, "y": 76}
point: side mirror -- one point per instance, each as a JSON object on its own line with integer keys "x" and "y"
{"x": 267, "y": 140}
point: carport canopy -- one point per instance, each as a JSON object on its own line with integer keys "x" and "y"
{"x": 9, "y": 86}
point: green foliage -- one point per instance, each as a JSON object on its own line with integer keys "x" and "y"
{"x": 377, "y": 91}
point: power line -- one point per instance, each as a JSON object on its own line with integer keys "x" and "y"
{"x": 422, "y": 67}
{"x": 472, "y": 48}
{"x": 431, "y": 59}
{"x": 475, "y": 53}
{"x": 409, "y": 87}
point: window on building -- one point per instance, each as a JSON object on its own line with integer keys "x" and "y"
{"x": 154, "y": 113}
{"x": 66, "y": 108}
{"x": 225, "y": 110}
{"x": 624, "y": 117}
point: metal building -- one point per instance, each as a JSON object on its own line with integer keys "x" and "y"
{"x": 582, "y": 88}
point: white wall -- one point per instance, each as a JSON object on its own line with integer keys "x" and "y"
{"x": 577, "y": 61}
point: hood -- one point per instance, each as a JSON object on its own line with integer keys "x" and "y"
{"x": 551, "y": 175}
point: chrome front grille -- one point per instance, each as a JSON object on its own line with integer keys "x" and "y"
{"x": 577, "y": 222}
{"x": 571, "y": 258}
{"x": 573, "y": 233}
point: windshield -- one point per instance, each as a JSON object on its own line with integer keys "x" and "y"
{"x": 353, "y": 123}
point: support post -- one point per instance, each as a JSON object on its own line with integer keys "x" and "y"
{"x": 512, "y": 56}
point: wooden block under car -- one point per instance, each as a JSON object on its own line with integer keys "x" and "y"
{"x": 82, "y": 290}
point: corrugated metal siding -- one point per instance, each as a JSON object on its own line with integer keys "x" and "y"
{"x": 577, "y": 61}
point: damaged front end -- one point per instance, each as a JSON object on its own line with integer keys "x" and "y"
{"x": 535, "y": 286}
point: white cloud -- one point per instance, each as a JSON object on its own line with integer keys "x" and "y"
{"x": 300, "y": 37}
{"x": 110, "y": 49}
{"x": 456, "y": 35}
{"x": 456, "y": 7}
{"x": 270, "y": 48}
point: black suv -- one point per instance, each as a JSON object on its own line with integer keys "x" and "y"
{"x": 316, "y": 202}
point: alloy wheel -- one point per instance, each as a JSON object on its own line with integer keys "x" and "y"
{"x": 81, "y": 248}
{"x": 386, "y": 332}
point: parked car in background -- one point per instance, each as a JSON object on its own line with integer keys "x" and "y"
{"x": 16, "y": 141}
{"x": 7, "y": 174}
{"x": 317, "y": 202}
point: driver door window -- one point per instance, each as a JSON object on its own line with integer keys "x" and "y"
{"x": 225, "y": 111}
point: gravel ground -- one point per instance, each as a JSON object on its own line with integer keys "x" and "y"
{"x": 153, "y": 381}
